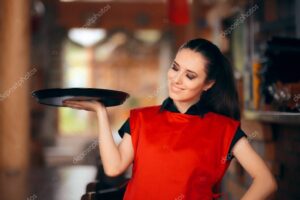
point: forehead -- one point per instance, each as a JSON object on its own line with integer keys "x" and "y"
{"x": 190, "y": 60}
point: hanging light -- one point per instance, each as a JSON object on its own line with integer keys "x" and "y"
{"x": 86, "y": 37}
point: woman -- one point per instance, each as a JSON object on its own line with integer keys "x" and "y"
{"x": 182, "y": 148}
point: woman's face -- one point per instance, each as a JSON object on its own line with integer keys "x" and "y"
{"x": 186, "y": 76}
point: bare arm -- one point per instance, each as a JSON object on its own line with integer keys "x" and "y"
{"x": 115, "y": 158}
{"x": 264, "y": 183}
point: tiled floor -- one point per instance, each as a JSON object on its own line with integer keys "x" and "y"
{"x": 55, "y": 183}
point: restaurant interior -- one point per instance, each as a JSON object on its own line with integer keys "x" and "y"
{"x": 51, "y": 153}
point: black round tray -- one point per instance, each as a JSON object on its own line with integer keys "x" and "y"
{"x": 56, "y": 96}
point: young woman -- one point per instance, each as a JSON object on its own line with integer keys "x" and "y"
{"x": 182, "y": 148}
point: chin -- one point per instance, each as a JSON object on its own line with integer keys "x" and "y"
{"x": 180, "y": 97}
{"x": 176, "y": 97}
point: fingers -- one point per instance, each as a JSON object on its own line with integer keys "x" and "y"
{"x": 71, "y": 105}
{"x": 81, "y": 105}
{"x": 78, "y": 102}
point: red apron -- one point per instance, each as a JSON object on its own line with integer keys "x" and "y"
{"x": 178, "y": 156}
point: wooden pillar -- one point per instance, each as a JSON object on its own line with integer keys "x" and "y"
{"x": 15, "y": 74}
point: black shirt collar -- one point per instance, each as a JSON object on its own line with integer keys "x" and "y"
{"x": 196, "y": 109}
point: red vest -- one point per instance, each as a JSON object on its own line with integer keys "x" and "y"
{"x": 178, "y": 156}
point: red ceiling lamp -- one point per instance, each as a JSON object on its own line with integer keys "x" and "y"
{"x": 178, "y": 12}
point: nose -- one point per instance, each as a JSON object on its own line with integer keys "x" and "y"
{"x": 178, "y": 78}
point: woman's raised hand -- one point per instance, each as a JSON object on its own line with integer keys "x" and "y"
{"x": 94, "y": 106}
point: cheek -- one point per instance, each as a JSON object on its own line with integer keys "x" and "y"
{"x": 170, "y": 74}
{"x": 194, "y": 85}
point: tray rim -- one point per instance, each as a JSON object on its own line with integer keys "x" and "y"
{"x": 42, "y": 94}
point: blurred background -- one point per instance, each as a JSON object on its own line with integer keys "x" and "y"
{"x": 128, "y": 45}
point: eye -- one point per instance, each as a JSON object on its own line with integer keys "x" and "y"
{"x": 174, "y": 67}
{"x": 190, "y": 76}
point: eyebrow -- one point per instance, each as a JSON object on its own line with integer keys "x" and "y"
{"x": 187, "y": 69}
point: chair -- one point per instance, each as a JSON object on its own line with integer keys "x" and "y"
{"x": 114, "y": 193}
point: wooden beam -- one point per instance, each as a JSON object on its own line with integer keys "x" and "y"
{"x": 112, "y": 15}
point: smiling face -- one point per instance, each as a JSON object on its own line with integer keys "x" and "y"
{"x": 187, "y": 76}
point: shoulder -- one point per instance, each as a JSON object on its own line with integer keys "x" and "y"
{"x": 146, "y": 109}
{"x": 222, "y": 119}
{"x": 143, "y": 113}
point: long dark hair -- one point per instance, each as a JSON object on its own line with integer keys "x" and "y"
{"x": 222, "y": 97}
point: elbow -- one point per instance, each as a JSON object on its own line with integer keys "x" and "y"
{"x": 112, "y": 172}
{"x": 267, "y": 184}
{"x": 270, "y": 184}
{"x": 273, "y": 185}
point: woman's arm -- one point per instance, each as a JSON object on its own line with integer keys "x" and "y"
{"x": 264, "y": 182}
{"x": 115, "y": 158}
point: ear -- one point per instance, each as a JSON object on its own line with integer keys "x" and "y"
{"x": 208, "y": 85}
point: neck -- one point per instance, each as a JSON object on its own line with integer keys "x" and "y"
{"x": 183, "y": 106}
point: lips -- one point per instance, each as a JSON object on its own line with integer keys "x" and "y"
{"x": 175, "y": 88}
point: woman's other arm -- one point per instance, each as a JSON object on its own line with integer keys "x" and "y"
{"x": 264, "y": 183}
